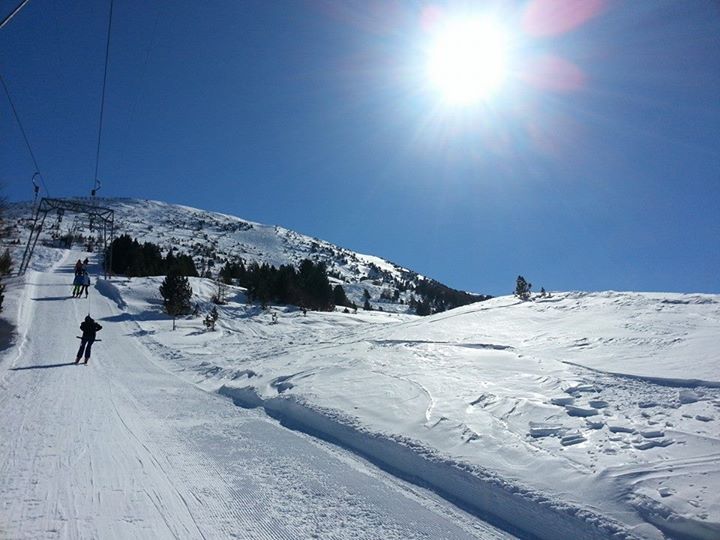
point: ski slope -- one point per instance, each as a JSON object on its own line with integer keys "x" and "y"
{"x": 582, "y": 415}
{"x": 122, "y": 448}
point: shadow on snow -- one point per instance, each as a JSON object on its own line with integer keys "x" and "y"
{"x": 42, "y": 366}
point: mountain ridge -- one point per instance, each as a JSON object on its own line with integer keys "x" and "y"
{"x": 214, "y": 239}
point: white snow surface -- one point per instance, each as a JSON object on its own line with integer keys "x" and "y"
{"x": 582, "y": 415}
{"x": 124, "y": 448}
{"x": 588, "y": 409}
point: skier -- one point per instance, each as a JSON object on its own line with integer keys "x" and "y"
{"x": 85, "y": 285}
{"x": 78, "y": 267}
{"x": 89, "y": 328}
{"x": 77, "y": 285}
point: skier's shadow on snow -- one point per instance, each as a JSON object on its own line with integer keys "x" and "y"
{"x": 43, "y": 366}
{"x": 51, "y": 298}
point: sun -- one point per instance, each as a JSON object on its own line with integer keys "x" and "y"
{"x": 467, "y": 61}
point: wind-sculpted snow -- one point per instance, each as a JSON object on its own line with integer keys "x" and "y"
{"x": 509, "y": 505}
{"x": 590, "y": 408}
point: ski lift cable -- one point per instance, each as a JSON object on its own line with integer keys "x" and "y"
{"x": 102, "y": 102}
{"x": 13, "y": 13}
{"x": 24, "y": 134}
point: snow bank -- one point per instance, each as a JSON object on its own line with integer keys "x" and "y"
{"x": 509, "y": 506}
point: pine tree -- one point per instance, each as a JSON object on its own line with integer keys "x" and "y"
{"x": 176, "y": 293}
{"x": 339, "y": 297}
{"x": 424, "y": 308}
{"x": 316, "y": 291}
{"x": 220, "y": 292}
{"x": 522, "y": 288}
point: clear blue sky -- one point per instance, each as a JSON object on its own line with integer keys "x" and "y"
{"x": 595, "y": 166}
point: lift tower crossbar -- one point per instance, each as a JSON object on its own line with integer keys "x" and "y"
{"x": 105, "y": 216}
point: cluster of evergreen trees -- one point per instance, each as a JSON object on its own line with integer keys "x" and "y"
{"x": 130, "y": 258}
{"x": 233, "y": 272}
{"x": 307, "y": 286}
{"x": 436, "y": 297}
{"x": 522, "y": 288}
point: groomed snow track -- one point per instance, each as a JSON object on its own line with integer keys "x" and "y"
{"x": 523, "y": 512}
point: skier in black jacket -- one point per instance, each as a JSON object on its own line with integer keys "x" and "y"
{"x": 89, "y": 328}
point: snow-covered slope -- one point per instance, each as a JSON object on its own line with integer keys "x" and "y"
{"x": 213, "y": 239}
{"x": 581, "y": 415}
{"x": 598, "y": 408}
{"x": 122, "y": 449}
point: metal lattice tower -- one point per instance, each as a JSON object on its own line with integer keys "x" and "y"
{"x": 100, "y": 217}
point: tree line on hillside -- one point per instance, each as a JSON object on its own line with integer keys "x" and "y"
{"x": 436, "y": 297}
{"x": 130, "y": 258}
{"x": 266, "y": 283}
{"x": 307, "y": 286}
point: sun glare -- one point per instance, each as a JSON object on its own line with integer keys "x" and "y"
{"x": 467, "y": 61}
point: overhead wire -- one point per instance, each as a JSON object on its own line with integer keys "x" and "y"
{"x": 13, "y": 13}
{"x": 102, "y": 100}
{"x": 24, "y": 134}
